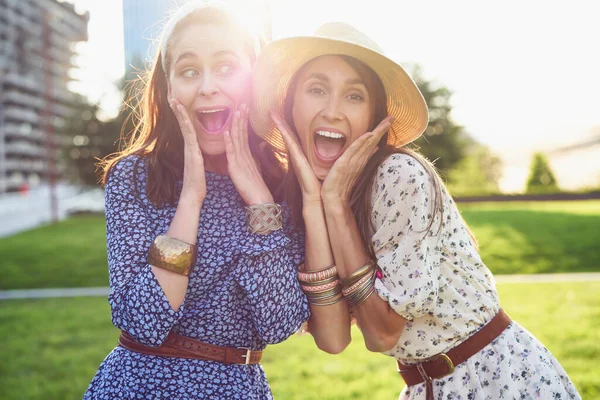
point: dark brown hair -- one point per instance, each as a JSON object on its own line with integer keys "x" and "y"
{"x": 360, "y": 200}
{"x": 156, "y": 135}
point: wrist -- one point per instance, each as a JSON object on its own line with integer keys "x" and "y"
{"x": 260, "y": 200}
{"x": 335, "y": 205}
{"x": 191, "y": 199}
{"x": 312, "y": 210}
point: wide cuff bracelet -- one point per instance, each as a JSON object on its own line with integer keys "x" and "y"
{"x": 264, "y": 218}
{"x": 172, "y": 254}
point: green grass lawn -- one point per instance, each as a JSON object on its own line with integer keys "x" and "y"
{"x": 52, "y": 348}
{"x": 537, "y": 237}
{"x": 534, "y": 237}
{"x": 71, "y": 253}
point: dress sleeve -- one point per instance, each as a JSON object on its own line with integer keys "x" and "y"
{"x": 408, "y": 254}
{"x": 267, "y": 274}
{"x": 138, "y": 303}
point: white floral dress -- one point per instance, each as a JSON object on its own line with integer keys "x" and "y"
{"x": 438, "y": 282}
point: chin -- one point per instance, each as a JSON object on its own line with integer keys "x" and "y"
{"x": 213, "y": 149}
{"x": 321, "y": 173}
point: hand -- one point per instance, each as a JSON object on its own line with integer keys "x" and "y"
{"x": 242, "y": 167}
{"x": 342, "y": 177}
{"x": 310, "y": 185}
{"x": 194, "y": 179}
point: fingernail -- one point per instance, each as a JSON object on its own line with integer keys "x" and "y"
{"x": 237, "y": 114}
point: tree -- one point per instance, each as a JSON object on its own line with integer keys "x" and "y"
{"x": 443, "y": 142}
{"x": 86, "y": 139}
{"x": 478, "y": 173}
{"x": 541, "y": 179}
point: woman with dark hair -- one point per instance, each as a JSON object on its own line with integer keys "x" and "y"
{"x": 201, "y": 260}
{"x": 385, "y": 243}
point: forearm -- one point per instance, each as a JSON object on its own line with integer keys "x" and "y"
{"x": 329, "y": 325}
{"x": 277, "y": 305}
{"x": 380, "y": 325}
{"x": 185, "y": 228}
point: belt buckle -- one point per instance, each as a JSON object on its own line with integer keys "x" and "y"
{"x": 247, "y": 355}
{"x": 448, "y": 362}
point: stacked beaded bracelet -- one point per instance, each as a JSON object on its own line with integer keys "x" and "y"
{"x": 172, "y": 254}
{"x": 360, "y": 285}
{"x": 264, "y": 218}
{"x": 322, "y": 288}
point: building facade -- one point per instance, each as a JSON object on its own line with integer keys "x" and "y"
{"x": 142, "y": 24}
{"x": 37, "y": 40}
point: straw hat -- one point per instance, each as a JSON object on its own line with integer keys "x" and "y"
{"x": 281, "y": 59}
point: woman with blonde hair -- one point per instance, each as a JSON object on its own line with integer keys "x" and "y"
{"x": 201, "y": 259}
{"x": 385, "y": 242}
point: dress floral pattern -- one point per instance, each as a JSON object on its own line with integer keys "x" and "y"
{"x": 437, "y": 281}
{"x": 242, "y": 292}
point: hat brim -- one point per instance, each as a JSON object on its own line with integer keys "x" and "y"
{"x": 280, "y": 60}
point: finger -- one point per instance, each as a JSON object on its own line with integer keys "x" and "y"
{"x": 285, "y": 130}
{"x": 373, "y": 151}
{"x": 235, "y": 131}
{"x": 185, "y": 124}
{"x": 290, "y": 140}
{"x": 245, "y": 140}
{"x": 382, "y": 128}
{"x": 176, "y": 107}
{"x": 229, "y": 150}
{"x": 244, "y": 121}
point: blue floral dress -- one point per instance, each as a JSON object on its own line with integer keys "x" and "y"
{"x": 438, "y": 282}
{"x": 243, "y": 292}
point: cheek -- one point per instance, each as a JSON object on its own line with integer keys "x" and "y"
{"x": 185, "y": 92}
{"x": 304, "y": 112}
{"x": 360, "y": 121}
{"x": 238, "y": 88}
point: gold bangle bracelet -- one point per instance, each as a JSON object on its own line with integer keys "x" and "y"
{"x": 357, "y": 275}
{"x": 364, "y": 298}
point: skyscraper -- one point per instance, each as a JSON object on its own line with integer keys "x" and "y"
{"x": 142, "y": 23}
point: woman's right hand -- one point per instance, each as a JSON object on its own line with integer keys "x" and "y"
{"x": 309, "y": 183}
{"x": 194, "y": 179}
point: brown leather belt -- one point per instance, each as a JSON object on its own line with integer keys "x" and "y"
{"x": 443, "y": 364}
{"x": 184, "y": 347}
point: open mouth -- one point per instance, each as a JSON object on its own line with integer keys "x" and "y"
{"x": 329, "y": 144}
{"x": 213, "y": 119}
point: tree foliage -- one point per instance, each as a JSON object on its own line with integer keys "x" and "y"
{"x": 541, "y": 178}
{"x": 444, "y": 142}
{"x": 86, "y": 139}
{"x": 476, "y": 174}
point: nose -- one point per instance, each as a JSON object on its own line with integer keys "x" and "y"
{"x": 332, "y": 110}
{"x": 208, "y": 86}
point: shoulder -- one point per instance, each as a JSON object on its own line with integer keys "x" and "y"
{"x": 126, "y": 168}
{"x": 400, "y": 170}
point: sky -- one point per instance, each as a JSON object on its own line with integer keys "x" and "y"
{"x": 525, "y": 74}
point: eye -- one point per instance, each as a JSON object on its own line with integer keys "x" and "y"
{"x": 316, "y": 91}
{"x": 356, "y": 97}
{"x": 225, "y": 69}
{"x": 189, "y": 73}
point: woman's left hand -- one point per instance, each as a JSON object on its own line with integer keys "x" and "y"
{"x": 342, "y": 177}
{"x": 243, "y": 168}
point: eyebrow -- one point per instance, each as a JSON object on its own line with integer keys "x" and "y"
{"x": 226, "y": 53}
{"x": 323, "y": 77}
{"x": 188, "y": 55}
